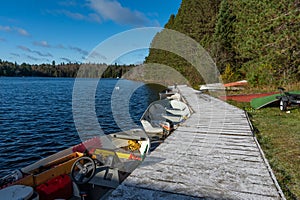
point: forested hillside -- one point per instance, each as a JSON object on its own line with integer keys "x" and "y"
{"x": 197, "y": 20}
{"x": 253, "y": 40}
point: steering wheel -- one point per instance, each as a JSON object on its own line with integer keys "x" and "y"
{"x": 83, "y": 170}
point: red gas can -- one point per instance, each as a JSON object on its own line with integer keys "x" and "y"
{"x": 57, "y": 188}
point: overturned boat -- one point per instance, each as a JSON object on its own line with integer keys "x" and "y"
{"x": 88, "y": 170}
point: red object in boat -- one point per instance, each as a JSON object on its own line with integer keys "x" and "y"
{"x": 89, "y": 144}
{"x": 57, "y": 188}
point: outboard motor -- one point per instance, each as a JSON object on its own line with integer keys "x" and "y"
{"x": 167, "y": 127}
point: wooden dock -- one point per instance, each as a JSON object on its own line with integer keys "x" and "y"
{"x": 213, "y": 155}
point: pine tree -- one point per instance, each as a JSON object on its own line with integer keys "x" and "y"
{"x": 223, "y": 37}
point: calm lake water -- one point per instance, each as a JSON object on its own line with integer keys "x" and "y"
{"x": 36, "y": 118}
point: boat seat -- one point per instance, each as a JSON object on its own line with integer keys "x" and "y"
{"x": 149, "y": 128}
{"x": 17, "y": 192}
{"x": 174, "y": 118}
{"x": 179, "y": 109}
{"x": 176, "y": 112}
{"x": 178, "y": 105}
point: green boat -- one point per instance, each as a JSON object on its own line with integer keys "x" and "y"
{"x": 261, "y": 102}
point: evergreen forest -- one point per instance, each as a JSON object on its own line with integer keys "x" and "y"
{"x": 253, "y": 40}
{"x": 63, "y": 70}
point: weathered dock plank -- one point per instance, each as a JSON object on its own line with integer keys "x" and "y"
{"x": 213, "y": 155}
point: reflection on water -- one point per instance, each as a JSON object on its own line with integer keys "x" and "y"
{"x": 36, "y": 118}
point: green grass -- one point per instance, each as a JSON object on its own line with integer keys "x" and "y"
{"x": 279, "y": 136}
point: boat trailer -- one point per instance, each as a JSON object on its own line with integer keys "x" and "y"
{"x": 287, "y": 99}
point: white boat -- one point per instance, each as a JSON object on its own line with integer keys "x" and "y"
{"x": 163, "y": 115}
{"x": 153, "y": 121}
{"x": 89, "y": 169}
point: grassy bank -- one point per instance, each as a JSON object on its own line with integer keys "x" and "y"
{"x": 279, "y": 136}
{"x": 262, "y": 89}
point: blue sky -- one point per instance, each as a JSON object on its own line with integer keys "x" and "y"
{"x": 40, "y": 31}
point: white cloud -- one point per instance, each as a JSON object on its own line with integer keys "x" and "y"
{"x": 15, "y": 54}
{"x": 79, "y": 50}
{"x": 113, "y": 10}
{"x": 60, "y": 46}
{"x": 18, "y": 30}
{"x": 34, "y": 51}
{"x": 41, "y": 43}
{"x": 24, "y": 48}
{"x": 92, "y": 17}
{"x": 5, "y": 28}
{"x": 32, "y": 58}
{"x": 72, "y": 15}
{"x": 66, "y": 59}
{"x": 97, "y": 55}
{"x": 22, "y": 31}
{"x": 43, "y": 54}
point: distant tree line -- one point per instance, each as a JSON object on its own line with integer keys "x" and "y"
{"x": 63, "y": 70}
